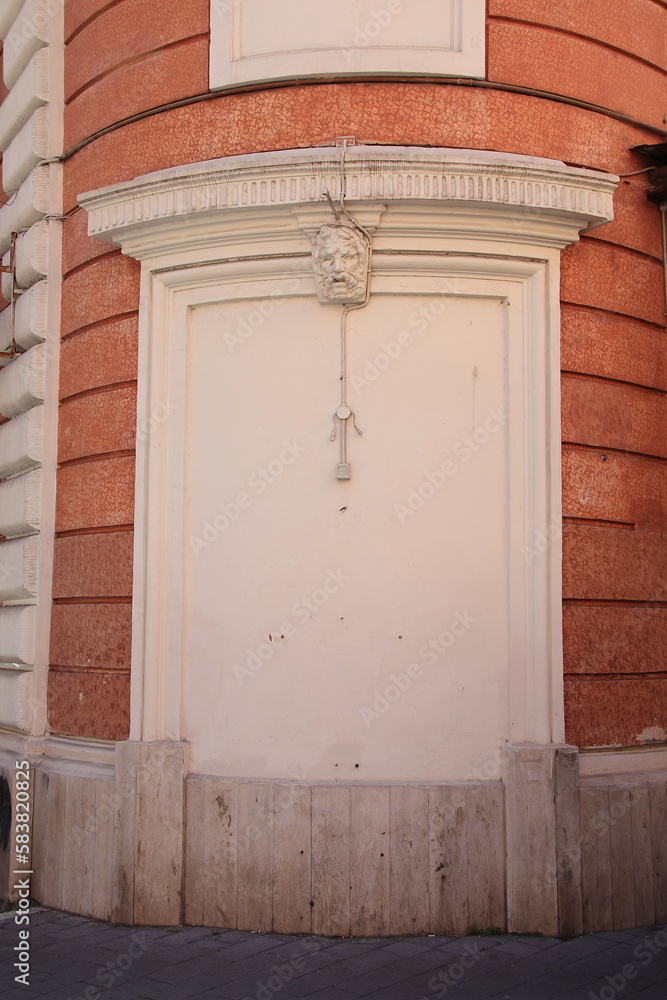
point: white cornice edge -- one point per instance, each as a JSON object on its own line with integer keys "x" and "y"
{"x": 571, "y": 199}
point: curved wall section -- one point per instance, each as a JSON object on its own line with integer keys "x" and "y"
{"x": 577, "y": 82}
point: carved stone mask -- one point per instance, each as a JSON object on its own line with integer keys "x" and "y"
{"x": 340, "y": 258}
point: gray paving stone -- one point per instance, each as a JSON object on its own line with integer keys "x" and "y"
{"x": 333, "y": 993}
{"x": 375, "y": 980}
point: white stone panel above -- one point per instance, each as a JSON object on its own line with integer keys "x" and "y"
{"x": 254, "y": 41}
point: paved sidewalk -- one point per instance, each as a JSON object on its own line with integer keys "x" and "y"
{"x": 72, "y": 958}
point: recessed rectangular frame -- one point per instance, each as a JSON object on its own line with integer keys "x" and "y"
{"x": 259, "y": 41}
{"x": 529, "y": 286}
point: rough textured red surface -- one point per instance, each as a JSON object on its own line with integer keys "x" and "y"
{"x": 92, "y": 635}
{"x": 621, "y": 712}
{"x": 616, "y": 639}
{"x": 609, "y": 415}
{"x": 105, "y": 288}
{"x": 127, "y": 30}
{"x": 97, "y": 424}
{"x": 82, "y": 703}
{"x": 78, "y": 12}
{"x": 93, "y": 566}
{"x": 128, "y": 55}
{"x": 636, "y": 224}
{"x": 613, "y": 278}
{"x": 78, "y": 246}
{"x": 408, "y": 114}
{"x": 600, "y": 343}
{"x": 544, "y": 59}
{"x": 102, "y": 355}
{"x": 608, "y": 486}
{"x": 95, "y": 494}
{"x": 613, "y": 564}
{"x": 635, "y": 26}
{"x": 160, "y": 77}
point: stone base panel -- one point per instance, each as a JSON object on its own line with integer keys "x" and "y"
{"x": 143, "y": 844}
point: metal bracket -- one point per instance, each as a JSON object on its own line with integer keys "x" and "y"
{"x": 12, "y": 350}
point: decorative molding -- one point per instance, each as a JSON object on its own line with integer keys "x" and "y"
{"x": 543, "y": 195}
{"x": 26, "y": 149}
{"x": 341, "y": 256}
{"x": 17, "y": 636}
{"x": 21, "y": 442}
{"x": 22, "y": 383}
{"x": 28, "y": 34}
{"x": 20, "y": 504}
{"x": 30, "y": 320}
{"x": 30, "y": 91}
{"x": 19, "y": 566}
{"x": 27, "y": 206}
{"x": 16, "y": 697}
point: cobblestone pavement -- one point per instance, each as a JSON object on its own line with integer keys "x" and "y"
{"x": 72, "y": 958}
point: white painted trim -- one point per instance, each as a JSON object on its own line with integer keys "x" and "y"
{"x": 442, "y": 38}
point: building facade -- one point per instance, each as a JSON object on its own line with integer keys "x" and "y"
{"x": 333, "y": 461}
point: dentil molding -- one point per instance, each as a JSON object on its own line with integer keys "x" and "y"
{"x": 510, "y": 197}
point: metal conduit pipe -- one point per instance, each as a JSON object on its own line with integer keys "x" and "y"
{"x": 445, "y": 82}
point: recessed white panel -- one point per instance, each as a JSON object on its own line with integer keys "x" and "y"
{"x": 261, "y": 40}
{"x": 404, "y": 564}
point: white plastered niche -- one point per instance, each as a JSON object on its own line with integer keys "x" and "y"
{"x": 256, "y": 41}
{"x": 392, "y": 627}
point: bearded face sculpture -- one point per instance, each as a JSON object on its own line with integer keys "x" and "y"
{"x": 340, "y": 258}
